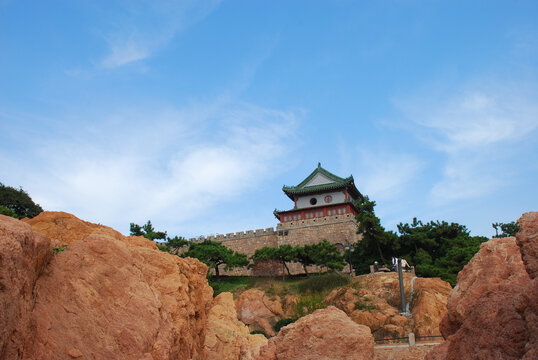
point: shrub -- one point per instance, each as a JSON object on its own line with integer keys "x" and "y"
{"x": 59, "y": 249}
{"x": 283, "y": 322}
{"x": 308, "y": 304}
{"x": 322, "y": 283}
{"x": 359, "y": 305}
{"x": 8, "y": 212}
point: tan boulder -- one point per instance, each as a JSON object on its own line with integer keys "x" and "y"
{"x": 226, "y": 337}
{"x": 429, "y": 305}
{"x": 64, "y": 228}
{"x": 113, "y": 297}
{"x": 483, "y": 321}
{"x": 23, "y": 256}
{"x": 258, "y": 311}
{"x": 289, "y": 306}
{"x": 371, "y": 301}
{"x": 325, "y": 334}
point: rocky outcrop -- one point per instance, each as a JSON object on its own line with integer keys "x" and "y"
{"x": 226, "y": 337}
{"x": 374, "y": 300}
{"x": 527, "y": 303}
{"x": 492, "y": 310}
{"x": 23, "y": 255}
{"x": 429, "y": 305}
{"x": 259, "y": 312}
{"x": 325, "y": 334}
{"x": 63, "y": 228}
{"x": 111, "y": 297}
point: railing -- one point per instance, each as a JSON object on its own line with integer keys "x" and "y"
{"x": 411, "y": 338}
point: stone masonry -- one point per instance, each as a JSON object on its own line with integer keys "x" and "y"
{"x": 337, "y": 229}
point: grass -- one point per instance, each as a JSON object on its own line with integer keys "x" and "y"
{"x": 228, "y": 283}
{"x": 307, "y": 304}
{"x": 300, "y": 285}
{"x": 322, "y": 283}
{"x": 363, "y": 306}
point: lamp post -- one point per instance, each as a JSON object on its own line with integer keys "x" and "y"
{"x": 349, "y": 249}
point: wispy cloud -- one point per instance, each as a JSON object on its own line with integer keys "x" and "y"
{"x": 479, "y": 128}
{"x": 384, "y": 175}
{"x": 144, "y": 27}
{"x": 170, "y": 165}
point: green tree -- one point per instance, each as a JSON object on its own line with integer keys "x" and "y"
{"x": 214, "y": 254}
{"x": 376, "y": 243}
{"x": 508, "y": 229}
{"x": 19, "y": 201}
{"x": 438, "y": 248}
{"x": 325, "y": 254}
{"x": 173, "y": 245}
{"x": 8, "y": 212}
{"x": 305, "y": 256}
{"x": 147, "y": 231}
{"x": 282, "y": 254}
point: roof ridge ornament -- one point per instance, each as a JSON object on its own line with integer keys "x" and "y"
{"x": 319, "y": 165}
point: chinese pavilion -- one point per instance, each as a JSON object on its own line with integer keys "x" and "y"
{"x": 321, "y": 194}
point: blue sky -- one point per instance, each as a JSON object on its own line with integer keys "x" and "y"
{"x": 194, "y": 113}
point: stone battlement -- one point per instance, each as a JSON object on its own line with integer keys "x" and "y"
{"x": 236, "y": 236}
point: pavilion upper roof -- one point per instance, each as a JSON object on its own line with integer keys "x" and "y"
{"x": 319, "y": 181}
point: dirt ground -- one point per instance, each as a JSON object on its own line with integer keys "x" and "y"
{"x": 401, "y": 352}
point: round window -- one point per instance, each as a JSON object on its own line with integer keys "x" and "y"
{"x": 328, "y": 199}
{"x": 313, "y": 201}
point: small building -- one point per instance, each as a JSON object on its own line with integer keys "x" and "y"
{"x": 320, "y": 195}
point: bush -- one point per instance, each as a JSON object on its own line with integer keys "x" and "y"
{"x": 283, "y": 322}
{"x": 322, "y": 283}
{"x": 359, "y": 305}
{"x": 19, "y": 201}
{"x": 8, "y": 212}
{"x": 308, "y": 304}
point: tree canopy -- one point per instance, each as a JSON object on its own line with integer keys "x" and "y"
{"x": 19, "y": 202}
{"x": 147, "y": 231}
{"x": 323, "y": 254}
{"x": 376, "y": 243}
{"x": 507, "y": 229}
{"x": 438, "y": 248}
{"x": 214, "y": 254}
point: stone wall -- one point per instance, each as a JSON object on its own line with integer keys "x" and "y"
{"x": 337, "y": 229}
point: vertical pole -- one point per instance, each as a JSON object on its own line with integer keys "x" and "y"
{"x": 402, "y": 291}
{"x": 349, "y": 261}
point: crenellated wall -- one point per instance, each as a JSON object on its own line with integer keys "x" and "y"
{"x": 337, "y": 229}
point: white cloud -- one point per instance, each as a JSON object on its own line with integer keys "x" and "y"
{"x": 385, "y": 175}
{"x": 169, "y": 164}
{"x": 144, "y": 27}
{"x": 479, "y": 129}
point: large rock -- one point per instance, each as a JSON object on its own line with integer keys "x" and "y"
{"x": 23, "y": 255}
{"x": 527, "y": 303}
{"x": 374, "y": 300}
{"x": 226, "y": 337}
{"x": 492, "y": 310}
{"x": 259, "y": 312}
{"x": 429, "y": 305}
{"x": 325, "y": 334}
{"x": 63, "y": 228}
{"x": 113, "y": 297}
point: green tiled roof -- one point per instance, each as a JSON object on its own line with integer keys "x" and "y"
{"x": 339, "y": 183}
